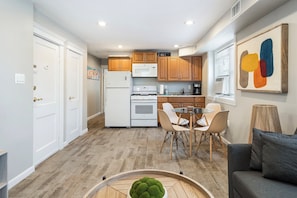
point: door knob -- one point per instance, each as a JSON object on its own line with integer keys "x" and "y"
{"x": 71, "y": 97}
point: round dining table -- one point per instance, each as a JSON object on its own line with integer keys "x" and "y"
{"x": 193, "y": 111}
{"x": 176, "y": 185}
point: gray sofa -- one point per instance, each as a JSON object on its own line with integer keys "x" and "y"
{"x": 245, "y": 182}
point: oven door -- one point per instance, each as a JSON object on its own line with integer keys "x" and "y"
{"x": 144, "y": 109}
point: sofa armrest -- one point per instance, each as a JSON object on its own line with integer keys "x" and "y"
{"x": 238, "y": 160}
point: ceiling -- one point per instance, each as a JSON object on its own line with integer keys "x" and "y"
{"x": 134, "y": 24}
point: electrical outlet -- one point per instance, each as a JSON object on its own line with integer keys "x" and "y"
{"x": 189, "y": 87}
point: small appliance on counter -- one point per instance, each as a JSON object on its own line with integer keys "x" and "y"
{"x": 161, "y": 90}
{"x": 197, "y": 88}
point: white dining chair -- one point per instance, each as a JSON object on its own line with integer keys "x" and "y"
{"x": 174, "y": 119}
{"x": 207, "y": 118}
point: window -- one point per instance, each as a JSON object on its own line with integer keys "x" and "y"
{"x": 224, "y": 72}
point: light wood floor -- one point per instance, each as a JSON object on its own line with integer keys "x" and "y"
{"x": 72, "y": 171}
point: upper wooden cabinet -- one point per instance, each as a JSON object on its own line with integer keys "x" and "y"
{"x": 144, "y": 57}
{"x": 173, "y": 68}
{"x": 196, "y": 68}
{"x": 179, "y": 69}
{"x": 119, "y": 64}
{"x": 162, "y": 68}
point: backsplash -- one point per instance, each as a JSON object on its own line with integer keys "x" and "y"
{"x": 173, "y": 87}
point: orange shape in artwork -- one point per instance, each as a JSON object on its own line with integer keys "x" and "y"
{"x": 259, "y": 80}
{"x": 250, "y": 62}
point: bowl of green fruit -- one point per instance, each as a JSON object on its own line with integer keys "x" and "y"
{"x": 147, "y": 187}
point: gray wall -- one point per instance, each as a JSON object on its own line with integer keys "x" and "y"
{"x": 94, "y": 88}
{"x": 16, "y": 106}
{"x": 240, "y": 114}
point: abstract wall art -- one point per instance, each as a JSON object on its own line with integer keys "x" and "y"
{"x": 262, "y": 61}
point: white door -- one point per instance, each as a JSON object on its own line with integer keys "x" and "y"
{"x": 73, "y": 72}
{"x": 46, "y": 90}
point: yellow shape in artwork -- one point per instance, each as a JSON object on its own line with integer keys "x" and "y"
{"x": 250, "y": 62}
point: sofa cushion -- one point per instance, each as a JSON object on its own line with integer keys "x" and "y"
{"x": 279, "y": 159}
{"x": 257, "y": 144}
{"x": 256, "y": 154}
{"x": 251, "y": 184}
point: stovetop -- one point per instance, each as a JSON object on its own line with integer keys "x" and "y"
{"x": 144, "y": 90}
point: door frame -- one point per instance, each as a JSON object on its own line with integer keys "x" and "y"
{"x": 42, "y": 33}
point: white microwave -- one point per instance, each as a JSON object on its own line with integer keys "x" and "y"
{"x": 144, "y": 70}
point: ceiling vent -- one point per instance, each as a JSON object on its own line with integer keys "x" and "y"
{"x": 236, "y": 8}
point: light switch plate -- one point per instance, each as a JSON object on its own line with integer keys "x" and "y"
{"x": 19, "y": 78}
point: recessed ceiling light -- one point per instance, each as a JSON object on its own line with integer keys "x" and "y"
{"x": 176, "y": 46}
{"x": 120, "y": 46}
{"x": 102, "y": 23}
{"x": 189, "y": 22}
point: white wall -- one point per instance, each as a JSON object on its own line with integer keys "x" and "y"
{"x": 240, "y": 114}
{"x": 16, "y": 106}
{"x": 94, "y": 88}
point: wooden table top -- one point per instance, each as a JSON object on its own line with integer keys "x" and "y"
{"x": 177, "y": 185}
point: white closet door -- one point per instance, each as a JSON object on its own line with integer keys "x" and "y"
{"x": 73, "y": 72}
{"x": 46, "y": 56}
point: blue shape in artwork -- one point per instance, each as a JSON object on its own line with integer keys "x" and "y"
{"x": 266, "y": 54}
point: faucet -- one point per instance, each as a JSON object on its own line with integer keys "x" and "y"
{"x": 182, "y": 91}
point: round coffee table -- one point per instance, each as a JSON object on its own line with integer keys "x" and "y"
{"x": 177, "y": 185}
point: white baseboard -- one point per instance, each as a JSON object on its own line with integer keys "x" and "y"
{"x": 20, "y": 177}
{"x": 84, "y": 131}
{"x": 93, "y": 116}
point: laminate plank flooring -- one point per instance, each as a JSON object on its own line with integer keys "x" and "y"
{"x": 101, "y": 152}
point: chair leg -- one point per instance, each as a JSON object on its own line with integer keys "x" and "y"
{"x": 210, "y": 147}
{"x": 165, "y": 138}
{"x": 199, "y": 142}
{"x": 171, "y": 143}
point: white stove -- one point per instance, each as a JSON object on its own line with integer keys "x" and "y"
{"x": 144, "y": 106}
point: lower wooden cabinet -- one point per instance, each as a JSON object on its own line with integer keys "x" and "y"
{"x": 183, "y": 102}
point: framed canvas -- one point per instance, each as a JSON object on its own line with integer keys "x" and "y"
{"x": 262, "y": 61}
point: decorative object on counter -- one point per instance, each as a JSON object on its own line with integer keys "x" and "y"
{"x": 263, "y": 61}
{"x": 147, "y": 187}
{"x": 264, "y": 117}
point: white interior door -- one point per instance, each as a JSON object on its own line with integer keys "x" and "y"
{"x": 46, "y": 116}
{"x": 73, "y": 100}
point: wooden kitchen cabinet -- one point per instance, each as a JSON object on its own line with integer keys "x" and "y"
{"x": 183, "y": 102}
{"x": 199, "y": 102}
{"x": 144, "y": 57}
{"x": 162, "y": 68}
{"x": 179, "y": 69}
{"x": 196, "y": 68}
{"x": 161, "y": 100}
{"x": 119, "y": 64}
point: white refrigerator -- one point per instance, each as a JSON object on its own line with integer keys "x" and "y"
{"x": 118, "y": 86}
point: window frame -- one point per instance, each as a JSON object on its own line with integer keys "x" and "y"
{"x": 228, "y": 98}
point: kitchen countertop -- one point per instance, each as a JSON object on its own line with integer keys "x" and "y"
{"x": 180, "y": 95}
